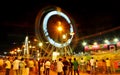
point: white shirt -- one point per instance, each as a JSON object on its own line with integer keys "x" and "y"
{"x": 47, "y": 64}
{"x": 92, "y": 62}
{"x": 59, "y": 66}
{"x": 16, "y": 64}
{"x": 82, "y": 62}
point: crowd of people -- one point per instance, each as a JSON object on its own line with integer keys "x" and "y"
{"x": 62, "y": 66}
{"x": 91, "y": 66}
{"x": 16, "y": 65}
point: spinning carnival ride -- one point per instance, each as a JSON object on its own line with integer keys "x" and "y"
{"x": 55, "y": 30}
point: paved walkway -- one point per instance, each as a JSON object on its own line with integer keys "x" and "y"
{"x": 54, "y": 73}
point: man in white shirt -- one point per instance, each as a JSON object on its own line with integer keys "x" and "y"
{"x": 82, "y": 65}
{"x": 92, "y": 63}
{"x": 47, "y": 67}
{"x": 16, "y": 66}
{"x": 59, "y": 67}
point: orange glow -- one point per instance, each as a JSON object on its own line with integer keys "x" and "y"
{"x": 35, "y": 40}
{"x": 60, "y": 28}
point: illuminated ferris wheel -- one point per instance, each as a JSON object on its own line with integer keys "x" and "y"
{"x": 54, "y": 28}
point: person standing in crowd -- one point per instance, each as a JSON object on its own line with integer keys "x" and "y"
{"x": 7, "y": 66}
{"x": 88, "y": 66}
{"x": 75, "y": 66}
{"x": 16, "y": 66}
{"x": 59, "y": 67}
{"x": 92, "y": 64}
{"x": 47, "y": 67}
{"x": 42, "y": 68}
{"x": 108, "y": 65}
{"x": 66, "y": 64}
{"x": 96, "y": 67}
{"x": 31, "y": 66}
{"x": 55, "y": 65}
{"x": 103, "y": 66}
{"x": 70, "y": 67}
{"x": 22, "y": 65}
{"x": 82, "y": 65}
{"x": 27, "y": 66}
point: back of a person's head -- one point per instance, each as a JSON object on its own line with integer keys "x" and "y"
{"x": 64, "y": 57}
{"x": 81, "y": 58}
{"x": 74, "y": 58}
{"x": 22, "y": 59}
{"x": 60, "y": 59}
{"x": 103, "y": 60}
{"x": 107, "y": 58}
{"x": 47, "y": 59}
{"x": 16, "y": 58}
{"x": 70, "y": 59}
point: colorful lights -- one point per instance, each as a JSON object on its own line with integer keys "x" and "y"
{"x": 105, "y": 45}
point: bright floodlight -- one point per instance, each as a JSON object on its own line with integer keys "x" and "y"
{"x": 60, "y": 28}
{"x": 116, "y": 40}
{"x": 40, "y": 44}
{"x": 64, "y": 36}
{"x": 95, "y": 43}
{"x": 84, "y": 43}
{"x": 106, "y": 41}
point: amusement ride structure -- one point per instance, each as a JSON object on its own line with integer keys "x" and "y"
{"x": 54, "y": 28}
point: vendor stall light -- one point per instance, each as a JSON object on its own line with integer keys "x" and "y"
{"x": 116, "y": 40}
{"x": 84, "y": 43}
{"x": 95, "y": 43}
{"x": 106, "y": 42}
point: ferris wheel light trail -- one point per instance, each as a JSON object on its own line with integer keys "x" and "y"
{"x": 45, "y": 21}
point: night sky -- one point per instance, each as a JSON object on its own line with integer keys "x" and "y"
{"x": 17, "y": 18}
